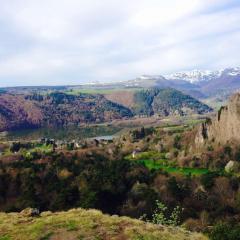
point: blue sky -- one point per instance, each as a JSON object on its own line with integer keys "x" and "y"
{"x": 52, "y": 42}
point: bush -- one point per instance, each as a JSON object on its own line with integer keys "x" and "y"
{"x": 237, "y": 155}
{"x": 228, "y": 150}
{"x": 176, "y": 142}
{"x": 224, "y": 231}
{"x": 207, "y": 180}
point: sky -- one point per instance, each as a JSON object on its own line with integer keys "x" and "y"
{"x": 65, "y": 42}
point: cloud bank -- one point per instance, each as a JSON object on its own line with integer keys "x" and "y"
{"x": 51, "y": 42}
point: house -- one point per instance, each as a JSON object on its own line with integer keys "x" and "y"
{"x": 135, "y": 153}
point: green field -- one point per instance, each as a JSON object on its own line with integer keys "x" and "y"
{"x": 98, "y": 91}
{"x": 174, "y": 129}
{"x": 151, "y": 164}
{"x": 156, "y": 160}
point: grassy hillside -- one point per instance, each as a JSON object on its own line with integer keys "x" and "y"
{"x": 85, "y": 224}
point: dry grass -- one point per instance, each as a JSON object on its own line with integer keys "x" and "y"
{"x": 79, "y": 224}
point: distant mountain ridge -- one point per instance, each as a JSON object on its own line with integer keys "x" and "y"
{"x": 197, "y": 83}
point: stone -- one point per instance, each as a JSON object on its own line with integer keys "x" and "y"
{"x": 232, "y": 166}
{"x": 30, "y": 212}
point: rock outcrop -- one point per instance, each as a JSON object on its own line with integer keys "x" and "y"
{"x": 232, "y": 166}
{"x": 225, "y": 128}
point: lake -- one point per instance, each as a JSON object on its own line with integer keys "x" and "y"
{"x": 69, "y": 133}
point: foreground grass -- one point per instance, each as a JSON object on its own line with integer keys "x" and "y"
{"x": 85, "y": 224}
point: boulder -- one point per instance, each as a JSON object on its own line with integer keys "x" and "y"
{"x": 30, "y": 212}
{"x": 232, "y": 166}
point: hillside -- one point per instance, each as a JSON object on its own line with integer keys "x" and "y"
{"x": 17, "y": 112}
{"x": 85, "y": 224}
{"x": 56, "y": 109}
{"x": 165, "y": 102}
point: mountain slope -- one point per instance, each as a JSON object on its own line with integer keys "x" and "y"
{"x": 166, "y": 102}
{"x": 56, "y": 109}
{"x": 17, "y": 112}
{"x": 85, "y": 224}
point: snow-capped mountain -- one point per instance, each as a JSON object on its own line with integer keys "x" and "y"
{"x": 197, "y": 76}
{"x": 198, "y": 83}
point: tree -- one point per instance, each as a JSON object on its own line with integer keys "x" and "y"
{"x": 176, "y": 142}
{"x": 237, "y": 155}
{"x": 179, "y": 191}
{"x": 207, "y": 180}
{"x": 224, "y": 231}
{"x": 15, "y": 147}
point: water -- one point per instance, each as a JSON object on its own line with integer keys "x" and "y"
{"x": 68, "y": 133}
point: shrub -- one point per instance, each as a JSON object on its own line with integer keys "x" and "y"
{"x": 237, "y": 155}
{"x": 176, "y": 142}
{"x": 162, "y": 216}
{"x": 228, "y": 150}
{"x": 207, "y": 180}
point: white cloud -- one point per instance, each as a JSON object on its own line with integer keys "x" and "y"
{"x": 74, "y": 41}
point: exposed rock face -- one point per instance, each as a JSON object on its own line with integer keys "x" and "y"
{"x": 225, "y": 127}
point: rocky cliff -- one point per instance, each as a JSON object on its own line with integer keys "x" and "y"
{"x": 225, "y": 127}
